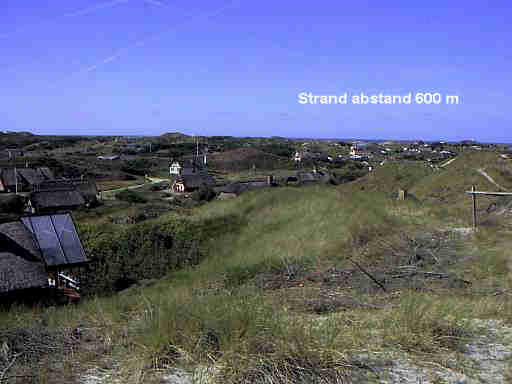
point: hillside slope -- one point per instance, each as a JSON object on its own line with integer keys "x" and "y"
{"x": 316, "y": 284}
{"x": 449, "y": 183}
{"x": 392, "y": 176}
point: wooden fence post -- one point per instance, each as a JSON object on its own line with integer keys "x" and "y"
{"x": 473, "y": 189}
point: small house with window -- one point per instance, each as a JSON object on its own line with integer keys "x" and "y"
{"x": 175, "y": 168}
{"x": 39, "y": 252}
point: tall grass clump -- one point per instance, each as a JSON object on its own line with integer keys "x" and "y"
{"x": 424, "y": 323}
{"x": 246, "y": 338}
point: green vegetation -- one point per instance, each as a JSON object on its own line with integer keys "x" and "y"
{"x": 290, "y": 284}
{"x": 130, "y": 197}
{"x": 204, "y": 193}
{"x": 248, "y": 159}
{"x": 142, "y": 251}
{"x": 446, "y": 184}
{"x": 392, "y": 176}
{"x": 12, "y": 204}
{"x": 139, "y": 167}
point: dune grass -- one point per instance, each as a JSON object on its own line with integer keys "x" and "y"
{"x": 216, "y": 314}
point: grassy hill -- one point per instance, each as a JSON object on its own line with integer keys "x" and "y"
{"x": 243, "y": 159}
{"x": 174, "y": 135}
{"x": 314, "y": 284}
{"x": 462, "y": 173}
{"x": 392, "y": 176}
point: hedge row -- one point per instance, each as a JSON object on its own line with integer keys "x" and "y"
{"x": 121, "y": 256}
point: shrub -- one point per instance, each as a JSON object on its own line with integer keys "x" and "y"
{"x": 140, "y": 251}
{"x": 12, "y": 204}
{"x": 130, "y": 197}
{"x": 159, "y": 186}
{"x": 138, "y": 167}
{"x": 204, "y": 193}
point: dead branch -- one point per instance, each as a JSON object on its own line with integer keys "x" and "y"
{"x": 368, "y": 274}
{"x": 11, "y": 363}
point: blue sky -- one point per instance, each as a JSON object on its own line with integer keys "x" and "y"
{"x": 221, "y": 67}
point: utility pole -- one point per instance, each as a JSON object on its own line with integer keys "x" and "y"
{"x": 473, "y": 189}
{"x": 15, "y": 174}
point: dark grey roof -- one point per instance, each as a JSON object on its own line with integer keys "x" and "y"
{"x": 30, "y": 175}
{"x": 21, "y": 265}
{"x": 18, "y": 273}
{"x": 196, "y": 180}
{"x": 56, "y": 199}
{"x": 87, "y": 189}
{"x": 15, "y": 237}
{"x": 7, "y": 175}
{"x": 45, "y": 173}
{"x": 189, "y": 171}
{"x": 306, "y": 177}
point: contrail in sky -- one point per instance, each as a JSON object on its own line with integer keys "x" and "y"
{"x": 94, "y": 8}
{"x": 81, "y": 12}
{"x": 156, "y": 2}
{"x": 155, "y": 36}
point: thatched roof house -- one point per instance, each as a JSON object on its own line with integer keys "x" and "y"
{"x": 189, "y": 183}
{"x": 21, "y": 264}
{"x": 86, "y": 188}
{"x": 32, "y": 247}
{"x": 45, "y": 173}
{"x": 51, "y": 201}
{"x": 27, "y": 178}
{"x": 7, "y": 180}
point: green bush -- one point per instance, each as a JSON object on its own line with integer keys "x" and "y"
{"x": 204, "y": 193}
{"x": 12, "y": 204}
{"x": 139, "y": 167}
{"x": 130, "y": 197}
{"x": 141, "y": 251}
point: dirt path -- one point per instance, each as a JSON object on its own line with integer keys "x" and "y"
{"x": 447, "y": 163}
{"x": 153, "y": 180}
{"x": 490, "y": 179}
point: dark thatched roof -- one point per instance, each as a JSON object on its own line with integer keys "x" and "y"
{"x": 7, "y": 176}
{"x": 195, "y": 181}
{"x": 46, "y": 173}
{"x": 18, "y": 273}
{"x": 189, "y": 171}
{"x": 56, "y": 199}
{"x": 87, "y": 188}
{"x": 20, "y": 260}
{"x": 30, "y": 175}
{"x": 306, "y": 177}
{"x": 15, "y": 235}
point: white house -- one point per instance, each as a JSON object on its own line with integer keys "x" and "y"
{"x": 175, "y": 168}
